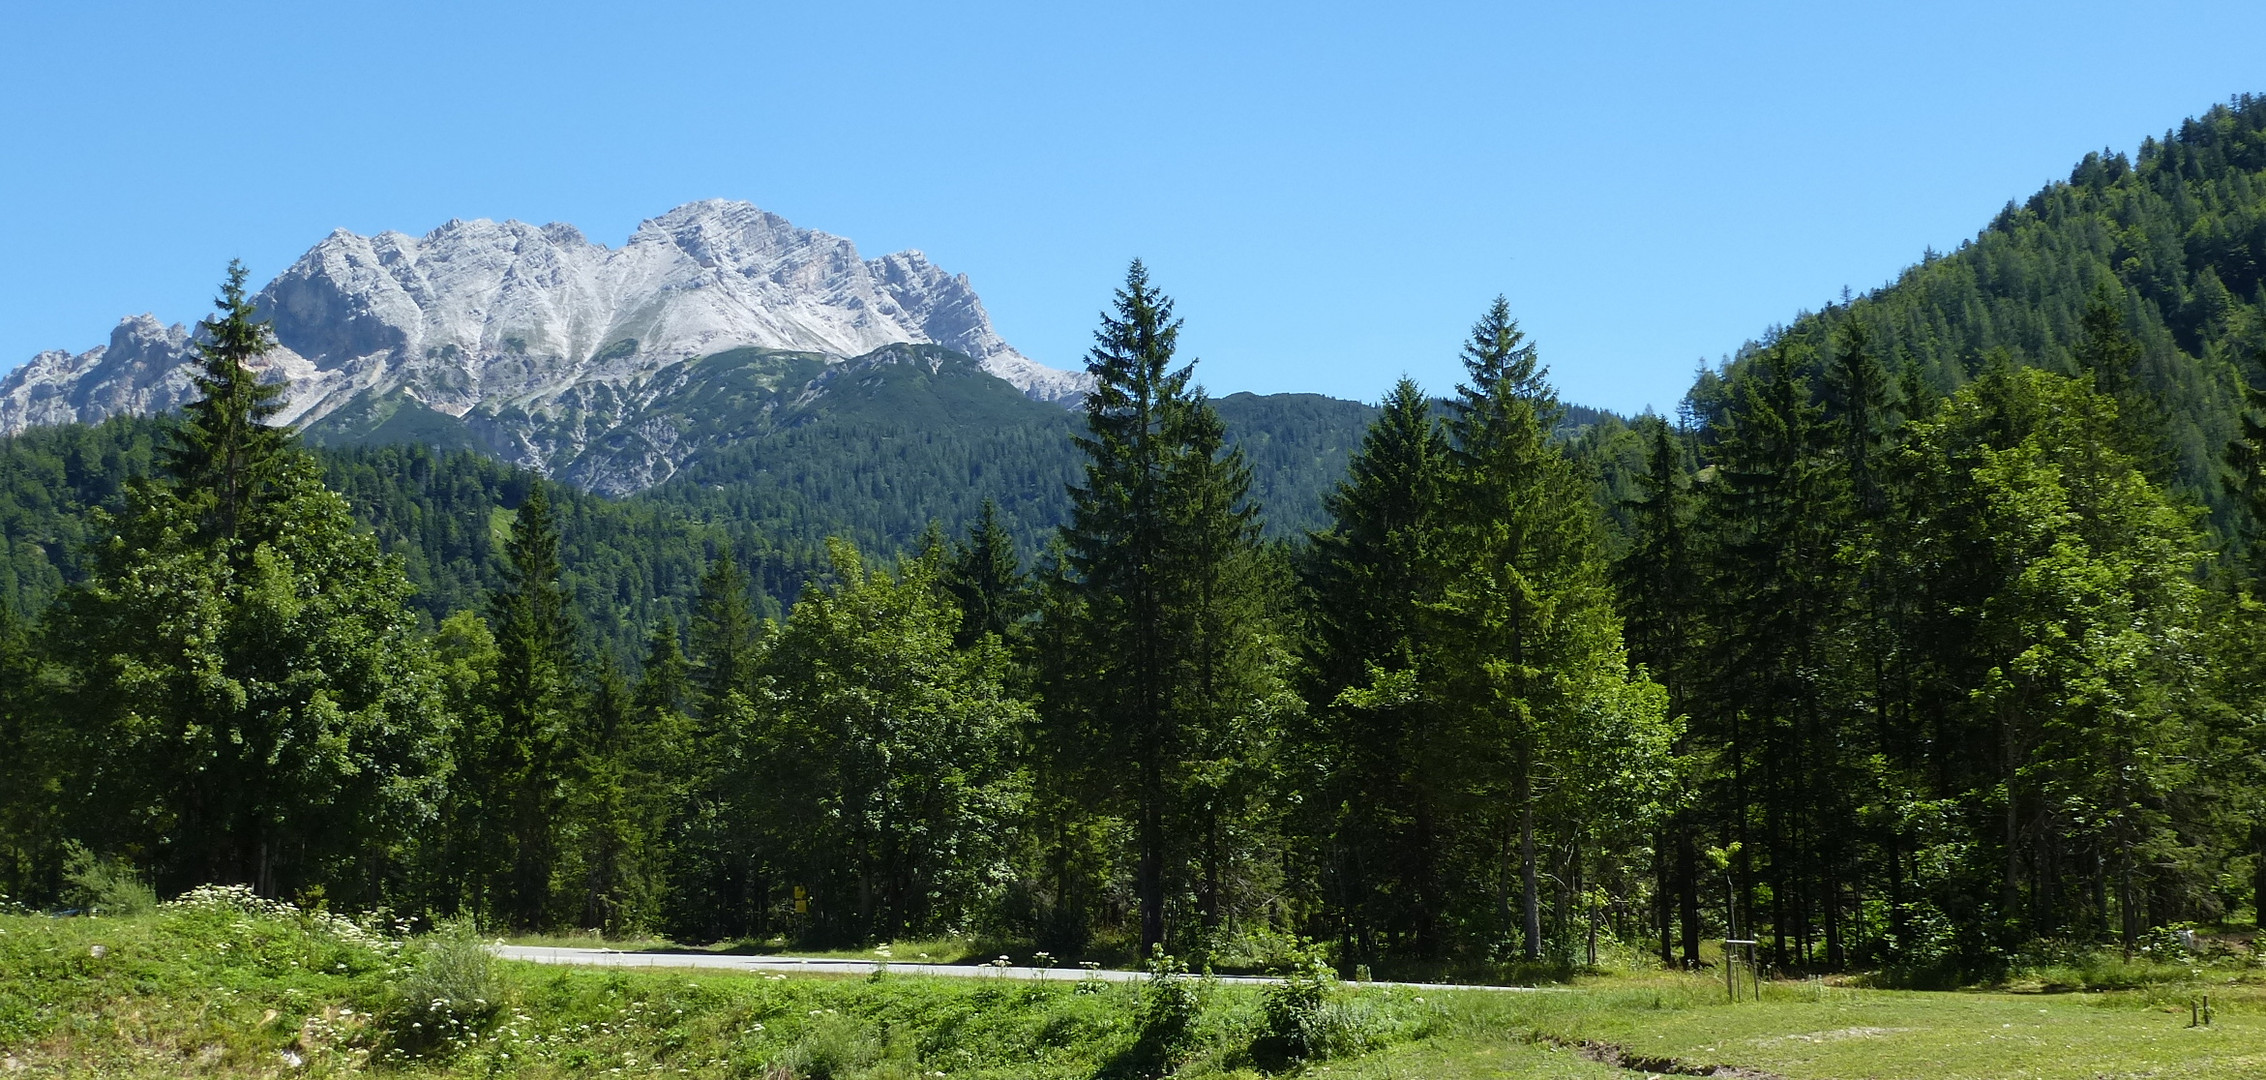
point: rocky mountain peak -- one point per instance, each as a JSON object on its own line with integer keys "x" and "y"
{"x": 479, "y": 317}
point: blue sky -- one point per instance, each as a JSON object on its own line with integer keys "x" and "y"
{"x": 1332, "y": 192}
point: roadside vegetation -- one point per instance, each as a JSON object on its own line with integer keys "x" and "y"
{"x": 220, "y": 982}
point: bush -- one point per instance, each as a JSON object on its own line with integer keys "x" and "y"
{"x": 832, "y": 1046}
{"x": 449, "y": 995}
{"x": 1296, "y": 1028}
{"x": 1309, "y": 1016}
{"x": 102, "y": 886}
{"x": 1171, "y": 1003}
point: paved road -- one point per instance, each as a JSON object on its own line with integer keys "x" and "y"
{"x": 817, "y": 965}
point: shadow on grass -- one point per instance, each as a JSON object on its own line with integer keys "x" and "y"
{"x": 963, "y": 952}
{"x": 1515, "y": 973}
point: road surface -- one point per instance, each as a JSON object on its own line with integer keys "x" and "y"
{"x": 544, "y": 954}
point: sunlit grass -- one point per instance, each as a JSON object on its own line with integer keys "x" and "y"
{"x": 224, "y": 991}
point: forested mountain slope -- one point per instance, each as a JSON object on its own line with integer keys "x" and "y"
{"x": 915, "y": 437}
{"x": 2175, "y": 240}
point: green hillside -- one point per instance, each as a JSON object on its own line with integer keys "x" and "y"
{"x": 874, "y": 450}
{"x": 2175, "y": 239}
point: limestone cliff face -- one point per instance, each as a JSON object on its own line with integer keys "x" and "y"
{"x": 540, "y": 340}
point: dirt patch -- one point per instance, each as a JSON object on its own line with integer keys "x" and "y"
{"x": 1619, "y": 1057}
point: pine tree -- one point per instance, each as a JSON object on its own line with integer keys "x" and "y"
{"x": 726, "y": 635}
{"x": 987, "y": 580}
{"x": 1370, "y": 581}
{"x": 1173, "y": 676}
{"x": 536, "y": 703}
{"x": 224, "y": 452}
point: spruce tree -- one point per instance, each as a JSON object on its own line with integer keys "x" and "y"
{"x": 1532, "y": 667}
{"x": 1660, "y": 606}
{"x": 536, "y": 699}
{"x": 987, "y": 580}
{"x": 224, "y": 451}
{"x": 2245, "y": 478}
{"x": 726, "y": 635}
{"x": 1370, "y": 581}
{"x": 1775, "y": 516}
{"x": 1171, "y": 678}
{"x": 26, "y": 820}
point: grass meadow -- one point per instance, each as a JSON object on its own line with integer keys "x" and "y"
{"x": 223, "y": 984}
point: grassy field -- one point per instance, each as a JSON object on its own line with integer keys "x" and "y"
{"x": 225, "y": 985}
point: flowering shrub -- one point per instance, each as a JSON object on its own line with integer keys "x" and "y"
{"x": 449, "y": 996}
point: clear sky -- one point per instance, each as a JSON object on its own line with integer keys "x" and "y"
{"x": 1332, "y": 192}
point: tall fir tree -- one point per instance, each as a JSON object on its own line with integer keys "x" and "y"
{"x": 1532, "y": 665}
{"x": 224, "y": 451}
{"x": 537, "y": 699}
{"x": 1173, "y": 677}
{"x": 727, "y": 636}
{"x": 1775, "y": 516}
{"x": 986, "y": 578}
{"x": 1370, "y": 579}
{"x": 2245, "y": 478}
{"x": 1660, "y": 606}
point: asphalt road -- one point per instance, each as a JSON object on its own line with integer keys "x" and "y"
{"x": 817, "y": 965}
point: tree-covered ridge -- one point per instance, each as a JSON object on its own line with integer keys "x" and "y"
{"x": 444, "y": 514}
{"x": 2175, "y": 240}
{"x": 914, "y": 437}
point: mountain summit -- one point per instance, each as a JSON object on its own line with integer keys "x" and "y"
{"x": 513, "y": 328}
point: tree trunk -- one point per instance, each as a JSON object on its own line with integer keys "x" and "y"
{"x": 1150, "y": 884}
{"x": 1531, "y": 897}
{"x": 1662, "y": 883}
{"x": 2258, "y": 875}
{"x": 1688, "y": 892}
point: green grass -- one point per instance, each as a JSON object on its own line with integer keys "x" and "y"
{"x": 233, "y": 987}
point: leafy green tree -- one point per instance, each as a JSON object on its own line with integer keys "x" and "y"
{"x": 247, "y": 692}
{"x": 459, "y": 867}
{"x": 889, "y": 780}
{"x": 2079, "y": 733}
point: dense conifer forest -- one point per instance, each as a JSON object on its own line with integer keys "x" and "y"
{"x": 1927, "y": 633}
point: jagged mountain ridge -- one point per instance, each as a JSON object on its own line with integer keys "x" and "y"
{"x": 543, "y": 344}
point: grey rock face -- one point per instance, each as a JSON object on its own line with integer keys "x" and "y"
{"x": 536, "y": 337}
{"x": 145, "y": 368}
